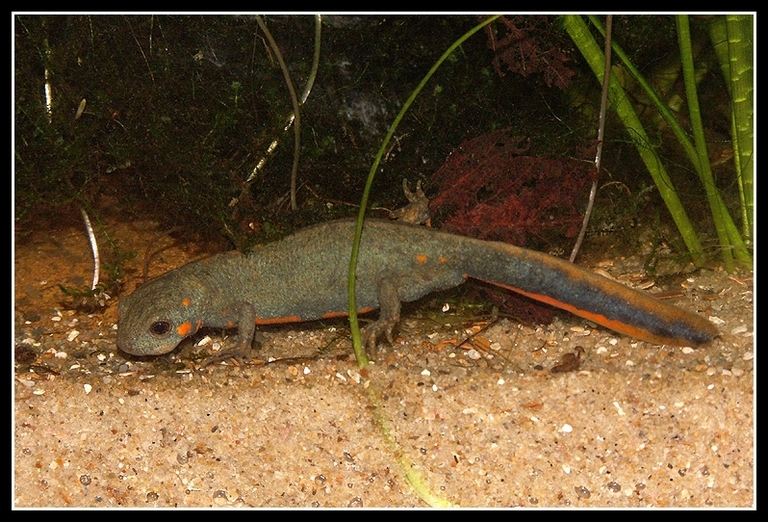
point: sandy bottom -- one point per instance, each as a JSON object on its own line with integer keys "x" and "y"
{"x": 431, "y": 423}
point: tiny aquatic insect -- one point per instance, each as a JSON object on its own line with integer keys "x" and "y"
{"x": 569, "y": 362}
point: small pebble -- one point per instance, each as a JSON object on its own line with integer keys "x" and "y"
{"x": 582, "y": 492}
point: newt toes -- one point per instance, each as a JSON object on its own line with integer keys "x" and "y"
{"x": 304, "y": 277}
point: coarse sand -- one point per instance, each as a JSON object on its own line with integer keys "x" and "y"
{"x": 435, "y": 421}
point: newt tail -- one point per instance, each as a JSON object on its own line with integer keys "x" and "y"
{"x": 304, "y": 277}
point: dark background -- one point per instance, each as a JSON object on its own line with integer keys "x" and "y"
{"x": 180, "y": 109}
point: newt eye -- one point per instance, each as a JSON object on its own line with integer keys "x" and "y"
{"x": 160, "y": 328}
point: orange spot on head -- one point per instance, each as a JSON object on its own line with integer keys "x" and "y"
{"x": 230, "y": 324}
{"x": 421, "y": 258}
{"x": 442, "y": 259}
{"x": 184, "y": 329}
{"x": 186, "y": 302}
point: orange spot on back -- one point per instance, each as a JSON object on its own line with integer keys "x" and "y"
{"x": 186, "y": 302}
{"x": 421, "y": 258}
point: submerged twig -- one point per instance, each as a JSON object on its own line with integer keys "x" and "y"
{"x": 600, "y": 135}
{"x": 304, "y": 96}
{"x": 94, "y": 248}
{"x": 294, "y": 101}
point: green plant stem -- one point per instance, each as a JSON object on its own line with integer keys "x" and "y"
{"x": 360, "y": 355}
{"x": 408, "y": 467}
{"x": 694, "y": 112}
{"x": 732, "y": 39}
{"x": 592, "y": 53}
{"x": 740, "y": 51}
{"x": 734, "y": 237}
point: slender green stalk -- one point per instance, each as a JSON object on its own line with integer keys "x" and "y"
{"x": 694, "y": 112}
{"x": 732, "y": 37}
{"x": 413, "y": 478}
{"x": 735, "y": 240}
{"x": 592, "y": 53}
{"x": 360, "y": 355}
{"x": 406, "y": 464}
{"x": 740, "y": 46}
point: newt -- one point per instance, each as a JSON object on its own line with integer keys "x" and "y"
{"x": 303, "y": 277}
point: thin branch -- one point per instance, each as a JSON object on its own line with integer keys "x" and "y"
{"x": 141, "y": 49}
{"x": 294, "y": 101}
{"x": 600, "y": 136}
{"x": 94, "y": 248}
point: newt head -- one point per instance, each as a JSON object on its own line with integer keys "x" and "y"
{"x": 155, "y": 318}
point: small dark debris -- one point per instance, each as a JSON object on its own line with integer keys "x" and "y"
{"x": 31, "y": 316}
{"x": 569, "y": 362}
{"x": 24, "y": 355}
